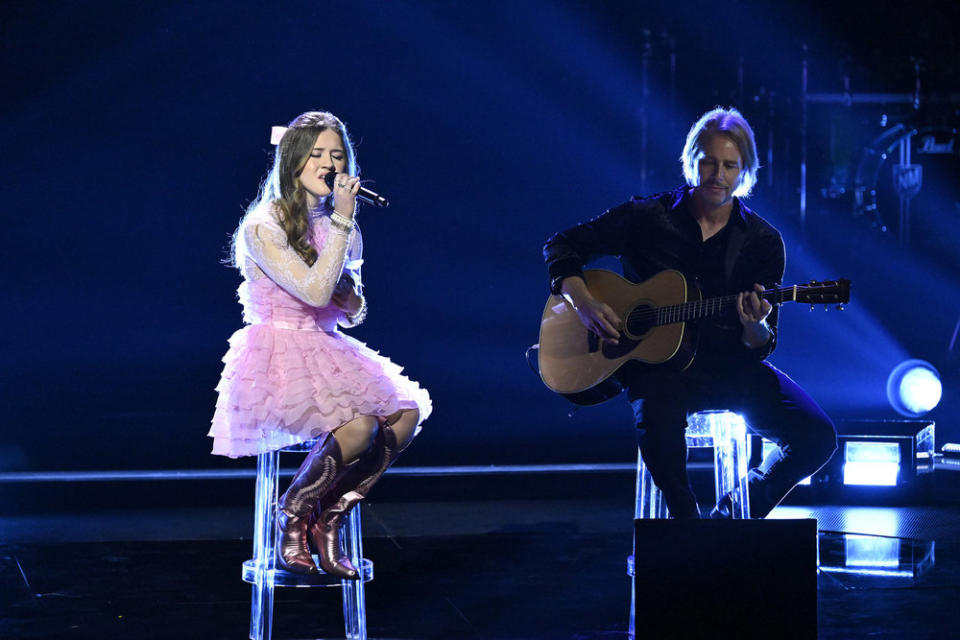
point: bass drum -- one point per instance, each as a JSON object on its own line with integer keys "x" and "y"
{"x": 934, "y": 208}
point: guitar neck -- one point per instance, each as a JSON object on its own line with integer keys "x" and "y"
{"x": 708, "y": 307}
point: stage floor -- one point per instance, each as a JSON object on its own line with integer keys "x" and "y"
{"x": 548, "y": 569}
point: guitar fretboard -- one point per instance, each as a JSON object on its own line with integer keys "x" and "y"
{"x": 696, "y": 309}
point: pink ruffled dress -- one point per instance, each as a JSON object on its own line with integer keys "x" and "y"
{"x": 290, "y": 375}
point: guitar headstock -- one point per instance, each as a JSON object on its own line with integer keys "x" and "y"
{"x": 826, "y": 292}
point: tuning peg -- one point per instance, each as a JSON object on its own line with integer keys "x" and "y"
{"x": 811, "y": 308}
{"x": 826, "y": 308}
{"x": 839, "y": 307}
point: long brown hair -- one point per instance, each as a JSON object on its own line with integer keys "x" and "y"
{"x": 282, "y": 187}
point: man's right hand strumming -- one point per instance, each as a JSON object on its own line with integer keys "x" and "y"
{"x": 596, "y": 316}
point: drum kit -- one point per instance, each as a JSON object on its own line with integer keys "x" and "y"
{"x": 888, "y": 156}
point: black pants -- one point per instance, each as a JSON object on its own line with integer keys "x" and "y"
{"x": 773, "y": 406}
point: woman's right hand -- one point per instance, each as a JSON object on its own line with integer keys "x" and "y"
{"x": 345, "y": 188}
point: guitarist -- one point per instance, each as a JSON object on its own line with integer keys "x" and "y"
{"x": 706, "y": 232}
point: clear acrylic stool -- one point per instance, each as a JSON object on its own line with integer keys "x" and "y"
{"x": 726, "y": 432}
{"x": 262, "y": 572}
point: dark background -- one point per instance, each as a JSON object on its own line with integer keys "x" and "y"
{"x": 134, "y": 134}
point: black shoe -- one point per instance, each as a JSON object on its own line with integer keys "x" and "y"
{"x": 723, "y": 510}
{"x": 682, "y": 505}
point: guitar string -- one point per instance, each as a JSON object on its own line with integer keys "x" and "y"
{"x": 711, "y": 304}
{"x": 689, "y": 310}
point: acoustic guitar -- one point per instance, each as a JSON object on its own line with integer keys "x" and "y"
{"x": 657, "y": 315}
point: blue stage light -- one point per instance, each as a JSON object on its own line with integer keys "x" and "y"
{"x": 914, "y": 388}
{"x": 871, "y": 463}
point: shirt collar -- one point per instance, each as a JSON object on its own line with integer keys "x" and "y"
{"x": 682, "y": 197}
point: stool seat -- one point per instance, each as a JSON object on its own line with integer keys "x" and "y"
{"x": 262, "y": 572}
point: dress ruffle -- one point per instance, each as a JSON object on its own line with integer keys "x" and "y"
{"x": 282, "y": 386}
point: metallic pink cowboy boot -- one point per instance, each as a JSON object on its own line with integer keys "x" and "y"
{"x": 324, "y": 531}
{"x": 321, "y": 468}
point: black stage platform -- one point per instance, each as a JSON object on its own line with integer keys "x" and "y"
{"x": 511, "y": 568}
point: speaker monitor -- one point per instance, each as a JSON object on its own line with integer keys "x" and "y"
{"x": 726, "y": 579}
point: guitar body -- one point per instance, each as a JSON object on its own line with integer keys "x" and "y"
{"x": 576, "y": 363}
{"x": 658, "y": 316}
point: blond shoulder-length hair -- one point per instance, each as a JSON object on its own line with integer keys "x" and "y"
{"x": 731, "y": 123}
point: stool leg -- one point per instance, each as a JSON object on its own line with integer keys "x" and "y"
{"x": 264, "y": 536}
{"x": 650, "y": 502}
{"x": 354, "y": 605}
{"x": 741, "y": 485}
{"x": 730, "y": 461}
{"x": 639, "y": 508}
{"x": 631, "y": 571}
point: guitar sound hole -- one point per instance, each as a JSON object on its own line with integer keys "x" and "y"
{"x": 641, "y": 320}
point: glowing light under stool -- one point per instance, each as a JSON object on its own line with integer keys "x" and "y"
{"x": 871, "y": 463}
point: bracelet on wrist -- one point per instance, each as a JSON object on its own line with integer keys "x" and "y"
{"x": 336, "y": 216}
{"x": 340, "y": 223}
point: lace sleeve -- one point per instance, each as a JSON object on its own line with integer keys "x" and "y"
{"x": 267, "y": 246}
{"x": 354, "y": 257}
{"x": 351, "y": 267}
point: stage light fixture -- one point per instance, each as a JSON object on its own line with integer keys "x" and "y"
{"x": 914, "y": 388}
{"x": 874, "y": 464}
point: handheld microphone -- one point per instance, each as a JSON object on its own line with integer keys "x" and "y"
{"x": 364, "y": 194}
